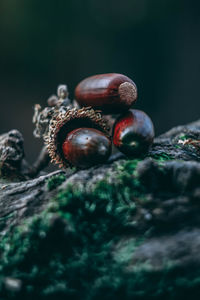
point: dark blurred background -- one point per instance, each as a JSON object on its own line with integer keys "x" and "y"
{"x": 154, "y": 42}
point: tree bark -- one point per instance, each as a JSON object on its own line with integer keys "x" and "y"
{"x": 166, "y": 218}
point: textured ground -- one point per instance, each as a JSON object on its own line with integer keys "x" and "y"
{"x": 129, "y": 229}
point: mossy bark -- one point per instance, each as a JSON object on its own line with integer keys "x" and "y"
{"x": 128, "y": 229}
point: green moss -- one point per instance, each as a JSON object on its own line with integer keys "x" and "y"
{"x": 67, "y": 251}
{"x": 183, "y": 137}
{"x": 129, "y": 166}
{"x": 5, "y": 218}
{"x": 55, "y": 181}
{"x": 162, "y": 157}
{"x": 78, "y": 244}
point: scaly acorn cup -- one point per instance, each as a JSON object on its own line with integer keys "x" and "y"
{"x": 78, "y": 137}
{"x": 133, "y": 133}
{"x": 112, "y": 93}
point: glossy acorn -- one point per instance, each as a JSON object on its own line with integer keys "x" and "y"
{"x": 133, "y": 133}
{"x": 86, "y": 147}
{"x": 111, "y": 93}
{"x": 78, "y": 137}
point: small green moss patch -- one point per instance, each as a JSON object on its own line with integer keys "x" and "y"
{"x": 162, "y": 157}
{"x": 55, "y": 181}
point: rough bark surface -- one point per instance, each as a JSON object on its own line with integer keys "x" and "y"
{"x": 151, "y": 224}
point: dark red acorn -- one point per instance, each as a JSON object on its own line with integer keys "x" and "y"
{"x": 133, "y": 133}
{"x": 86, "y": 147}
{"x": 111, "y": 93}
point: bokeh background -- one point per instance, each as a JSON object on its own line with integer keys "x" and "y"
{"x": 44, "y": 43}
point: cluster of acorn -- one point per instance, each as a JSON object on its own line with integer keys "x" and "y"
{"x": 80, "y": 136}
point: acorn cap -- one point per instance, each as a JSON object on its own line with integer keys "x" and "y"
{"x": 63, "y": 123}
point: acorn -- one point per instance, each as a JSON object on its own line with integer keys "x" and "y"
{"x": 78, "y": 137}
{"x": 86, "y": 147}
{"x": 111, "y": 93}
{"x": 133, "y": 133}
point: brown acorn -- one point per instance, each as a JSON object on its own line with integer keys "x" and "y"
{"x": 78, "y": 137}
{"x": 86, "y": 147}
{"x": 112, "y": 93}
{"x": 133, "y": 133}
